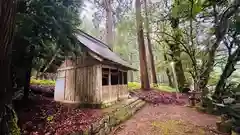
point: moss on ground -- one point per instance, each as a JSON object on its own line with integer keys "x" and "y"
{"x": 161, "y": 87}
{"x": 177, "y": 127}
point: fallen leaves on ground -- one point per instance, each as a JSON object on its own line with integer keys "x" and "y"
{"x": 169, "y": 119}
{"x": 41, "y": 115}
{"x": 46, "y": 90}
{"x": 157, "y": 97}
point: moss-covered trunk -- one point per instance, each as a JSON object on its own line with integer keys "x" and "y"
{"x": 176, "y": 53}
{"x": 227, "y": 72}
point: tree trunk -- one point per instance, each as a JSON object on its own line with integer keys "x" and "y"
{"x": 153, "y": 69}
{"x": 8, "y": 123}
{"x": 28, "y": 73}
{"x": 227, "y": 72}
{"x": 176, "y": 54}
{"x": 109, "y": 23}
{"x": 50, "y": 62}
{"x": 142, "y": 50}
{"x": 168, "y": 73}
{"x": 221, "y": 28}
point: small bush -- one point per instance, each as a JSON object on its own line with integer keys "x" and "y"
{"x": 42, "y": 82}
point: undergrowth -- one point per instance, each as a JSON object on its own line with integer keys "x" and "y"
{"x": 42, "y": 82}
{"x": 161, "y": 87}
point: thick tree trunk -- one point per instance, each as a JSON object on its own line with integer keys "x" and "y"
{"x": 168, "y": 73}
{"x": 109, "y": 23}
{"x": 227, "y": 72}
{"x": 142, "y": 50}
{"x": 28, "y": 74}
{"x": 153, "y": 69}
{"x": 7, "y": 24}
{"x": 176, "y": 54}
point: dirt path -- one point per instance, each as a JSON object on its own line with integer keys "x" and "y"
{"x": 167, "y": 120}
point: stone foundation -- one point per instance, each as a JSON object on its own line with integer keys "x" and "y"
{"x": 113, "y": 117}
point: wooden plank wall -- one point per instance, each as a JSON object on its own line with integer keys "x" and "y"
{"x": 109, "y": 93}
{"x": 123, "y": 91}
{"x": 112, "y": 93}
{"x": 83, "y": 80}
{"x": 88, "y": 88}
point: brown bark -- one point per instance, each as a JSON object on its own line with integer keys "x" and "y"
{"x": 28, "y": 73}
{"x": 153, "y": 69}
{"x": 142, "y": 50}
{"x": 109, "y": 23}
{"x": 7, "y": 24}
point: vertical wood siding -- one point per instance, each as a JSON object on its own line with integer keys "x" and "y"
{"x": 83, "y": 82}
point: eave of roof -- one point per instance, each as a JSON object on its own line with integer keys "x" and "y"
{"x": 101, "y": 49}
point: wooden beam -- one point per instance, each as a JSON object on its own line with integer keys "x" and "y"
{"x": 95, "y": 56}
{"x": 80, "y": 66}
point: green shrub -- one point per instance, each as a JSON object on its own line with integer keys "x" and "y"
{"x": 42, "y": 82}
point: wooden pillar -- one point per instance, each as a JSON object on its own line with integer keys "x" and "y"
{"x": 118, "y": 86}
{"x": 109, "y": 77}
{"x": 109, "y": 84}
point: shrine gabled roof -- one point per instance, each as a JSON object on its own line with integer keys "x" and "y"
{"x": 102, "y": 49}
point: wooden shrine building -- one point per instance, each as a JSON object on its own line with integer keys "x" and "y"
{"x": 97, "y": 76}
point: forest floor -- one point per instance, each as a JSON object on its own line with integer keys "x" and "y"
{"x": 163, "y": 114}
{"x": 168, "y": 119}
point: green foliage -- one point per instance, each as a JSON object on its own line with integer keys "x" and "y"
{"x": 14, "y": 129}
{"x": 48, "y": 26}
{"x": 134, "y": 85}
{"x": 213, "y": 80}
{"x": 50, "y": 118}
{"x": 182, "y": 8}
{"x": 165, "y": 87}
{"x": 161, "y": 87}
{"x": 42, "y": 82}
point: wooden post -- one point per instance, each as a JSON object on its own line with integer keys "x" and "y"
{"x": 118, "y": 94}
{"x": 109, "y": 83}
{"x": 109, "y": 77}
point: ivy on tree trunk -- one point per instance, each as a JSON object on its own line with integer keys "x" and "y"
{"x": 176, "y": 53}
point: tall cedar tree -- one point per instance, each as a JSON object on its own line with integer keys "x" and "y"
{"x": 153, "y": 70}
{"x": 142, "y": 50}
{"x": 109, "y": 23}
{"x": 7, "y": 24}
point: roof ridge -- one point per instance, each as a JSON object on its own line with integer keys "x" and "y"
{"x": 94, "y": 39}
